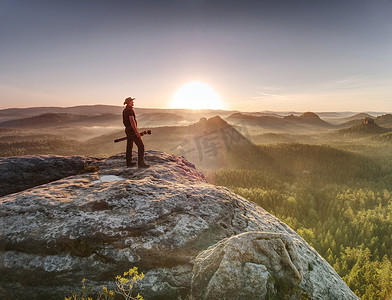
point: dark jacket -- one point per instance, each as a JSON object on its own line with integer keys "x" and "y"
{"x": 127, "y": 112}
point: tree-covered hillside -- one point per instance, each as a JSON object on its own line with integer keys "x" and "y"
{"x": 338, "y": 201}
{"x": 364, "y": 129}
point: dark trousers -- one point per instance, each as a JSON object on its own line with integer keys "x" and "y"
{"x": 140, "y": 149}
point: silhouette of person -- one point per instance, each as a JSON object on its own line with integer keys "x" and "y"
{"x": 133, "y": 135}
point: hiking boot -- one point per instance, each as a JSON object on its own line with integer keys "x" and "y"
{"x": 132, "y": 164}
{"x": 144, "y": 165}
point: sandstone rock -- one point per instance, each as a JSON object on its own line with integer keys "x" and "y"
{"x": 252, "y": 265}
{"x": 247, "y": 266}
{"x": 19, "y": 173}
{"x": 98, "y": 225}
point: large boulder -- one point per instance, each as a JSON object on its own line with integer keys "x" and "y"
{"x": 161, "y": 219}
{"x": 264, "y": 265}
{"x": 18, "y": 173}
{"x": 252, "y": 265}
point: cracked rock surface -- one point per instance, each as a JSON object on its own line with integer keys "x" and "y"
{"x": 161, "y": 219}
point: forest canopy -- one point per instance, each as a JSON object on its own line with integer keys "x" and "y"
{"x": 339, "y": 201}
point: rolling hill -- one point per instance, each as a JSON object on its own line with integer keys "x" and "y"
{"x": 308, "y": 118}
{"x": 18, "y": 113}
{"x": 50, "y": 120}
{"x": 307, "y": 122}
{"x": 359, "y": 116}
{"x": 364, "y": 129}
{"x": 44, "y": 120}
{"x": 353, "y": 120}
{"x": 384, "y": 120}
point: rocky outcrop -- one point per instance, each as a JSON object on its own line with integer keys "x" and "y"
{"x": 308, "y": 118}
{"x": 247, "y": 266}
{"x": 19, "y": 173}
{"x": 186, "y": 235}
{"x": 264, "y": 265}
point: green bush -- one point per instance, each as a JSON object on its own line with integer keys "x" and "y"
{"x": 124, "y": 287}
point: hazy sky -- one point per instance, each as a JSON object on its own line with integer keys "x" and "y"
{"x": 317, "y": 55}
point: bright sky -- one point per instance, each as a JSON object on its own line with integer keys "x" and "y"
{"x": 302, "y": 55}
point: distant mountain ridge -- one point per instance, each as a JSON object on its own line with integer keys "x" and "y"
{"x": 101, "y": 119}
{"x": 107, "y": 119}
{"x": 116, "y": 109}
{"x": 383, "y": 120}
{"x": 46, "y": 119}
{"x": 82, "y": 110}
{"x": 290, "y": 123}
{"x": 358, "y": 116}
{"x": 364, "y": 129}
{"x": 177, "y": 115}
{"x": 307, "y": 118}
{"x": 59, "y": 119}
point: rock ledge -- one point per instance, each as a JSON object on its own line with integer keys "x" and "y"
{"x": 183, "y": 233}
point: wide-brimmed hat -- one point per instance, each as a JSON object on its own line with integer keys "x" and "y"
{"x": 129, "y": 99}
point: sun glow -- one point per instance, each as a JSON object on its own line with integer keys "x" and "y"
{"x": 196, "y": 95}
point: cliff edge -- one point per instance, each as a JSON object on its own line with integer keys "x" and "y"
{"x": 187, "y": 236}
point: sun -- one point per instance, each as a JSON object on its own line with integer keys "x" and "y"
{"x": 196, "y": 95}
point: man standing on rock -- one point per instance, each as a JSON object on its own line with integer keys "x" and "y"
{"x": 133, "y": 135}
